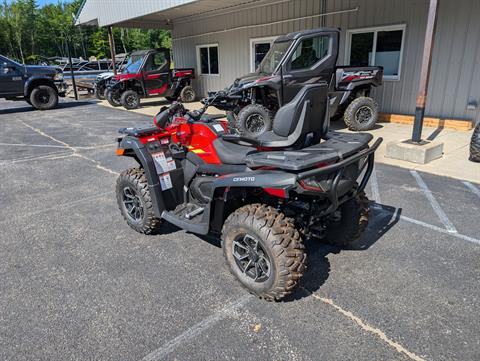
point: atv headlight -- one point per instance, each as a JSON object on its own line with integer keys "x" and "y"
{"x": 58, "y": 77}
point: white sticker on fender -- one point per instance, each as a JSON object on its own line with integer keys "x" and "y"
{"x": 160, "y": 162}
{"x": 165, "y": 181}
{"x": 218, "y": 128}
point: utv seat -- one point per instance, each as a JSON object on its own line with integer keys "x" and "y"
{"x": 306, "y": 115}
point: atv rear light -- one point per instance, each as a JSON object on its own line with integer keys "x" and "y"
{"x": 119, "y": 151}
{"x": 311, "y": 184}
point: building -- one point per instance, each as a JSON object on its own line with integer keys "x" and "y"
{"x": 224, "y": 39}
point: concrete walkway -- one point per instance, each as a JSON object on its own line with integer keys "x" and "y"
{"x": 454, "y": 163}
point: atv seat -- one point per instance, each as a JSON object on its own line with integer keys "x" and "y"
{"x": 305, "y": 115}
{"x": 231, "y": 153}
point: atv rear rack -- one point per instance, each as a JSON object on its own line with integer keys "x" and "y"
{"x": 339, "y": 169}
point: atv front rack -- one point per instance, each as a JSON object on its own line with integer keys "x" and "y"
{"x": 339, "y": 168}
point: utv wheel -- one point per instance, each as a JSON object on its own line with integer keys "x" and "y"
{"x": 475, "y": 144}
{"x": 130, "y": 99}
{"x": 113, "y": 98}
{"x": 100, "y": 93}
{"x": 44, "y": 97}
{"x": 349, "y": 222}
{"x": 187, "y": 94}
{"x": 264, "y": 251}
{"x": 135, "y": 203}
{"x": 254, "y": 120}
{"x": 361, "y": 114}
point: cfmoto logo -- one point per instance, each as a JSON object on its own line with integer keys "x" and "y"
{"x": 244, "y": 179}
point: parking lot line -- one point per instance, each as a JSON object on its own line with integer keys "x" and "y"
{"x": 435, "y": 205}
{"x": 35, "y": 157}
{"x": 32, "y": 145}
{"x": 474, "y": 189}
{"x": 196, "y": 329}
{"x": 366, "y": 327}
{"x": 374, "y": 187}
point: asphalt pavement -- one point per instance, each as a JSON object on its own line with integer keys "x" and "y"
{"x": 76, "y": 283}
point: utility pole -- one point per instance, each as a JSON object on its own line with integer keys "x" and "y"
{"x": 71, "y": 69}
{"x": 112, "y": 49}
{"x": 425, "y": 72}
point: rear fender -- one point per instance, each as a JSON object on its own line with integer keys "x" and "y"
{"x": 135, "y": 149}
{"x": 258, "y": 179}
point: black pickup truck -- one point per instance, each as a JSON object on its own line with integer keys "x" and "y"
{"x": 295, "y": 60}
{"x": 40, "y": 86}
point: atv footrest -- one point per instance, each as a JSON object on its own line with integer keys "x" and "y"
{"x": 189, "y": 216}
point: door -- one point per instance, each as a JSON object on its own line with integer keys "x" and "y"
{"x": 156, "y": 73}
{"x": 258, "y": 49}
{"x": 312, "y": 61}
{"x": 11, "y": 79}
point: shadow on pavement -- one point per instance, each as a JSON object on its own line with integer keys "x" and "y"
{"x": 28, "y": 108}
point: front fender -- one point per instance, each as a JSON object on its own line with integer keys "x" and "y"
{"x": 36, "y": 78}
{"x": 134, "y": 148}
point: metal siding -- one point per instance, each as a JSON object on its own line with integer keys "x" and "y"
{"x": 455, "y": 74}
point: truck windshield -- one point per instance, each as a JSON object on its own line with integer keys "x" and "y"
{"x": 133, "y": 64}
{"x": 273, "y": 57}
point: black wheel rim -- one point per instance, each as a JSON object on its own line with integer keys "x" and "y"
{"x": 251, "y": 258}
{"x": 188, "y": 95}
{"x": 255, "y": 124}
{"x": 133, "y": 204}
{"x": 43, "y": 97}
{"x": 363, "y": 114}
{"x": 131, "y": 100}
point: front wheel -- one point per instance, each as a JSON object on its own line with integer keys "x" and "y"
{"x": 130, "y": 99}
{"x": 113, "y": 98}
{"x": 264, "y": 251}
{"x": 44, "y": 97}
{"x": 135, "y": 202}
{"x": 361, "y": 114}
{"x": 100, "y": 92}
{"x": 254, "y": 120}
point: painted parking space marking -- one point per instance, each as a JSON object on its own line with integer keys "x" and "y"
{"x": 366, "y": 327}
{"x": 374, "y": 187}
{"x": 434, "y": 203}
{"x": 36, "y": 157}
{"x": 196, "y": 329}
{"x": 472, "y": 188}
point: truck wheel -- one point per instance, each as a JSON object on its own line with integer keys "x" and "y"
{"x": 44, "y": 97}
{"x": 187, "y": 94}
{"x": 475, "y": 144}
{"x": 135, "y": 203}
{"x": 361, "y": 114}
{"x": 349, "y": 222}
{"x": 254, "y": 120}
{"x": 263, "y": 250}
{"x": 130, "y": 99}
{"x": 112, "y": 98}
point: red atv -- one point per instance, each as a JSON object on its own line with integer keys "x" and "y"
{"x": 263, "y": 196}
{"x": 146, "y": 74}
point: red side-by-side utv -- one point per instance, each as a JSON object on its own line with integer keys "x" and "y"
{"x": 147, "y": 74}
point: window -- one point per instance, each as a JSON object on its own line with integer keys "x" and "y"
{"x": 310, "y": 52}
{"x": 155, "y": 62}
{"x": 377, "y": 46}
{"x": 207, "y": 59}
{"x": 258, "y": 49}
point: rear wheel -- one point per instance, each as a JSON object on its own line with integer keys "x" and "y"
{"x": 113, "y": 98}
{"x": 130, "y": 99}
{"x": 254, "y": 120}
{"x": 475, "y": 144}
{"x": 263, "y": 250}
{"x": 44, "y": 97}
{"x": 187, "y": 94}
{"x": 348, "y": 223}
{"x": 361, "y": 114}
{"x": 100, "y": 92}
{"x": 135, "y": 203}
